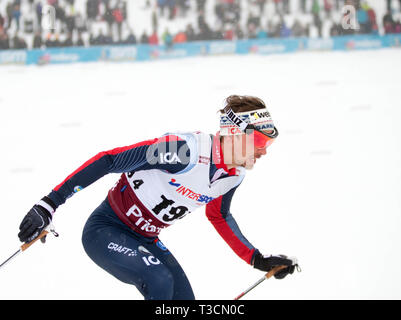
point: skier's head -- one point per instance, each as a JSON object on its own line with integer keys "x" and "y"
{"x": 246, "y": 130}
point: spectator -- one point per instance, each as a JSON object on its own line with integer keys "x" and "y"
{"x": 363, "y": 20}
{"x": 80, "y": 23}
{"x": 388, "y": 17}
{"x": 317, "y": 21}
{"x": 70, "y": 19}
{"x": 19, "y": 43}
{"x": 253, "y": 19}
{"x": 297, "y": 29}
{"x": 261, "y": 4}
{"x": 1, "y": 22}
{"x": 388, "y": 23}
{"x": 37, "y": 40}
{"x": 52, "y": 41}
{"x": 252, "y": 31}
{"x": 282, "y": 6}
{"x": 335, "y": 30}
{"x": 16, "y": 14}
{"x": 315, "y": 7}
{"x": 38, "y": 12}
{"x": 200, "y": 5}
{"x": 180, "y": 37}
{"x": 389, "y": 7}
{"x": 205, "y": 33}
{"x": 190, "y": 33}
{"x": 286, "y": 6}
{"x": 92, "y": 9}
{"x": 328, "y": 6}
{"x": 273, "y": 30}
{"x": 27, "y": 22}
{"x": 217, "y": 35}
{"x": 303, "y": 6}
{"x": 171, "y": 4}
{"x": 60, "y": 13}
{"x": 339, "y": 4}
{"x": 153, "y": 38}
{"x": 155, "y": 20}
{"x": 372, "y": 20}
{"x": 9, "y": 12}
{"x": 227, "y": 11}
{"x": 92, "y": 40}
{"x": 167, "y": 38}
{"x": 261, "y": 34}
{"x": 285, "y": 31}
{"x": 68, "y": 41}
{"x": 105, "y": 39}
{"x": 397, "y": 27}
{"x": 147, "y": 4}
{"x": 99, "y": 40}
{"x": 144, "y": 38}
{"x": 131, "y": 39}
{"x": 239, "y": 34}
{"x": 228, "y": 33}
{"x": 219, "y": 10}
{"x": 80, "y": 41}
{"x": 4, "y": 41}
{"x": 108, "y": 16}
{"x": 162, "y": 4}
{"x": 183, "y": 6}
{"x": 123, "y": 7}
{"x": 119, "y": 18}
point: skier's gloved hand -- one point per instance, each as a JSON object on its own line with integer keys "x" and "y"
{"x": 268, "y": 262}
{"x": 36, "y": 220}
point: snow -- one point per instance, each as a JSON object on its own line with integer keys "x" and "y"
{"x": 327, "y": 192}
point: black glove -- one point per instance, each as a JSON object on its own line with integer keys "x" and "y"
{"x": 266, "y": 263}
{"x": 36, "y": 220}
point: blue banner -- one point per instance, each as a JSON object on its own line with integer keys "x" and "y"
{"x": 144, "y": 52}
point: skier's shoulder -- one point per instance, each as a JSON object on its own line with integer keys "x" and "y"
{"x": 190, "y": 139}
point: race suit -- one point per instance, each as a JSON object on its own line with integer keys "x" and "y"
{"x": 162, "y": 180}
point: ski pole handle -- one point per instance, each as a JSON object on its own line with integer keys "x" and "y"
{"x": 268, "y": 275}
{"x": 27, "y": 245}
{"x": 273, "y": 271}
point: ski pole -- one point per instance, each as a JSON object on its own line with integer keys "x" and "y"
{"x": 27, "y": 245}
{"x": 271, "y": 273}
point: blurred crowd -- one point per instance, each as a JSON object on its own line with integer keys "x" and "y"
{"x": 74, "y": 25}
{"x": 23, "y": 18}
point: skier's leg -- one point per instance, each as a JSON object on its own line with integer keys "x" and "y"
{"x": 182, "y": 287}
{"x": 116, "y": 249}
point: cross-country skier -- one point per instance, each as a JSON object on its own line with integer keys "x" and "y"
{"x": 164, "y": 179}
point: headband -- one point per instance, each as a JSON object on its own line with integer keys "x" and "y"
{"x": 232, "y": 123}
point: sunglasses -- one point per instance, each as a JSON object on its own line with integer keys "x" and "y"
{"x": 261, "y": 138}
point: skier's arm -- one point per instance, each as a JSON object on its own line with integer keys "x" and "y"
{"x": 218, "y": 213}
{"x": 135, "y": 157}
{"x": 140, "y": 156}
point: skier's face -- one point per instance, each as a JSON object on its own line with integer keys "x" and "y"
{"x": 250, "y": 153}
{"x": 245, "y": 152}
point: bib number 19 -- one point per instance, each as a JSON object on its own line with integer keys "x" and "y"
{"x": 174, "y": 213}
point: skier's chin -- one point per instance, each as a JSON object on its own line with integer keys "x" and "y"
{"x": 249, "y": 164}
